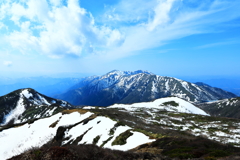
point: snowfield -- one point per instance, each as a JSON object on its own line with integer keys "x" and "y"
{"x": 164, "y": 104}
{"x": 33, "y": 135}
{"x": 21, "y": 138}
{"x": 85, "y": 127}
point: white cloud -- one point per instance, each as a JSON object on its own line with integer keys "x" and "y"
{"x": 7, "y": 63}
{"x": 169, "y": 20}
{"x": 217, "y": 44}
{"x": 58, "y": 31}
{"x": 2, "y": 25}
{"x": 161, "y": 14}
{"x": 56, "y": 2}
{"x": 126, "y": 28}
{"x": 133, "y": 11}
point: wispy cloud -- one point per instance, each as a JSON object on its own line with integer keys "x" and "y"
{"x": 217, "y": 44}
{"x": 8, "y": 63}
{"x": 173, "y": 19}
{"x": 59, "y": 29}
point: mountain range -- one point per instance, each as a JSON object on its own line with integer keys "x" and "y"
{"x": 144, "y": 116}
{"x": 139, "y": 86}
{"x": 46, "y": 85}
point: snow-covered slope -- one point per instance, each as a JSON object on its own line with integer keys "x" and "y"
{"x": 131, "y": 127}
{"x": 225, "y": 108}
{"x": 139, "y": 86}
{"x": 74, "y": 125}
{"x": 172, "y": 104}
{"x": 25, "y": 104}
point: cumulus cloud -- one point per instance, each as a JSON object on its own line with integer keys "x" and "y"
{"x": 57, "y": 30}
{"x": 7, "y": 63}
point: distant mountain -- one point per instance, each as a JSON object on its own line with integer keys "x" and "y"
{"x": 231, "y": 84}
{"x": 46, "y": 85}
{"x": 139, "y": 86}
{"x": 25, "y": 104}
{"x": 228, "y": 84}
{"x": 224, "y": 108}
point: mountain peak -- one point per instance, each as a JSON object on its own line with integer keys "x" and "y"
{"x": 121, "y": 73}
{"x": 24, "y": 104}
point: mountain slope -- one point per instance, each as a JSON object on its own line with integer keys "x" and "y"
{"x": 231, "y": 84}
{"x": 25, "y": 104}
{"x": 139, "y": 86}
{"x": 69, "y": 128}
{"x": 171, "y": 104}
{"x": 224, "y": 108}
{"x": 139, "y": 128}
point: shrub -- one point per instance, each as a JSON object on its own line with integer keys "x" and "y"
{"x": 121, "y": 139}
{"x": 96, "y": 139}
{"x": 219, "y": 153}
{"x": 171, "y": 103}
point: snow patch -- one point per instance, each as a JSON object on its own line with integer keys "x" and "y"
{"x": 183, "y": 106}
{"x": 16, "y": 112}
{"x": 34, "y": 135}
{"x": 26, "y": 93}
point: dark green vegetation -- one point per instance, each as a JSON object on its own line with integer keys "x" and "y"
{"x": 116, "y": 87}
{"x": 183, "y": 148}
{"x": 82, "y": 152}
{"x": 121, "y": 139}
{"x": 223, "y": 108}
{"x": 171, "y": 103}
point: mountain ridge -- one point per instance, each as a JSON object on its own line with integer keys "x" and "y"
{"x": 25, "y": 104}
{"x": 139, "y": 86}
{"x": 223, "y": 108}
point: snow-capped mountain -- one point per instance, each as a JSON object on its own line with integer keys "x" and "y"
{"x": 224, "y": 108}
{"x": 25, "y": 104}
{"x": 139, "y": 86}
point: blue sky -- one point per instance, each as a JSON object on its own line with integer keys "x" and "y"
{"x": 166, "y": 37}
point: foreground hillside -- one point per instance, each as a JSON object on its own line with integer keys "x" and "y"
{"x": 163, "y": 129}
{"x": 78, "y": 127}
{"x": 139, "y": 86}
